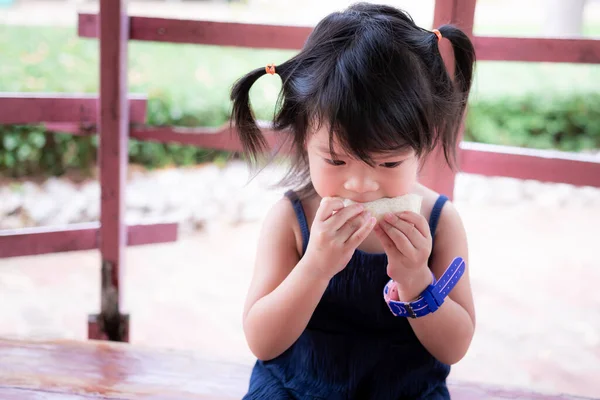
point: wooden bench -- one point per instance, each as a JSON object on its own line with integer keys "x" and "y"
{"x": 73, "y": 370}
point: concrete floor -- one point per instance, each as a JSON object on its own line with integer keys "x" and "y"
{"x": 534, "y": 272}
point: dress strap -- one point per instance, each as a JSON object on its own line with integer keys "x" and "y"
{"x": 435, "y": 214}
{"x": 300, "y": 216}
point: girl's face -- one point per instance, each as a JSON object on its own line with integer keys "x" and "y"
{"x": 394, "y": 174}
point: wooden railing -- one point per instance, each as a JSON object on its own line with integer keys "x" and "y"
{"x": 120, "y": 116}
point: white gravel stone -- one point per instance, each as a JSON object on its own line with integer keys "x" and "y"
{"x": 206, "y": 195}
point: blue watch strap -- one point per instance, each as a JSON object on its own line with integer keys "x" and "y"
{"x": 432, "y": 297}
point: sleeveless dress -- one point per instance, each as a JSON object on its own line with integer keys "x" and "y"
{"x": 353, "y": 347}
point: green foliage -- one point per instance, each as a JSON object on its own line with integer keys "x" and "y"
{"x": 569, "y": 123}
{"x": 189, "y": 85}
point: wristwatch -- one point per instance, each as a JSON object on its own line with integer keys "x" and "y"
{"x": 432, "y": 297}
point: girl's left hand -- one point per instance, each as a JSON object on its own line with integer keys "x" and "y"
{"x": 406, "y": 239}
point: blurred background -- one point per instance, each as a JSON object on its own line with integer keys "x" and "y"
{"x": 533, "y": 245}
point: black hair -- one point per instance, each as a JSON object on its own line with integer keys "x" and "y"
{"x": 375, "y": 78}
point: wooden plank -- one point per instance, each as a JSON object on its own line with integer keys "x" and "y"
{"x": 113, "y": 152}
{"x": 479, "y": 391}
{"x": 543, "y": 165}
{"x": 460, "y": 12}
{"x": 34, "y": 108}
{"x": 583, "y": 51}
{"x": 117, "y": 370}
{"x": 112, "y": 370}
{"x": 223, "y": 138}
{"x": 44, "y": 240}
{"x": 206, "y": 32}
{"x": 8, "y": 393}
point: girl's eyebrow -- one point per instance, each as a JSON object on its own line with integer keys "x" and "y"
{"x": 327, "y": 150}
{"x": 390, "y": 156}
{"x": 396, "y": 154}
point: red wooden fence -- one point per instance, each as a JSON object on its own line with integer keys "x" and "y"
{"x": 20, "y": 108}
{"x": 490, "y": 160}
{"x": 76, "y": 115}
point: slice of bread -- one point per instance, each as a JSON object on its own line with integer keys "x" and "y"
{"x": 380, "y": 207}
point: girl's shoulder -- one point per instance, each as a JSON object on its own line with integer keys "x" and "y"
{"x": 283, "y": 220}
{"x": 449, "y": 218}
{"x": 450, "y": 235}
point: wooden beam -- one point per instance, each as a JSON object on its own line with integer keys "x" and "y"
{"x": 457, "y": 12}
{"x": 34, "y": 108}
{"x": 206, "y": 32}
{"x": 9, "y": 393}
{"x": 542, "y": 165}
{"x": 582, "y": 51}
{"x": 222, "y": 138}
{"x": 74, "y": 237}
{"x": 113, "y": 157}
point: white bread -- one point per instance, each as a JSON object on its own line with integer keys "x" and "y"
{"x": 378, "y": 208}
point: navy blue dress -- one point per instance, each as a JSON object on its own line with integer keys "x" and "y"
{"x": 353, "y": 347}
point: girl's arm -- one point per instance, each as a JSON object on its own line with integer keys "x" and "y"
{"x": 285, "y": 289}
{"x": 447, "y": 333}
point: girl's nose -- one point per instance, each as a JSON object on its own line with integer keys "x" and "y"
{"x": 360, "y": 184}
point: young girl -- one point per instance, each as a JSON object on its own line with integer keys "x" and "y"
{"x": 365, "y": 100}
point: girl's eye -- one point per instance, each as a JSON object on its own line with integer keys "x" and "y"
{"x": 391, "y": 164}
{"x": 336, "y": 163}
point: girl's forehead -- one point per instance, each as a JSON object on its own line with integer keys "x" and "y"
{"x": 322, "y": 138}
{"x": 322, "y": 141}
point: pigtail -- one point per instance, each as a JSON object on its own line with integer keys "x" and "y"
{"x": 452, "y": 92}
{"x": 242, "y": 117}
{"x": 464, "y": 57}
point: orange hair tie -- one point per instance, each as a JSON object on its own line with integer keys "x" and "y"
{"x": 438, "y": 34}
{"x": 270, "y": 68}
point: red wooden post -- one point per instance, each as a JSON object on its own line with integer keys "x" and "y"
{"x": 113, "y": 151}
{"x": 435, "y": 174}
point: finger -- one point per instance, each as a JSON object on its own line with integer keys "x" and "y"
{"x": 402, "y": 243}
{"x": 328, "y": 206}
{"x": 418, "y": 220}
{"x": 409, "y": 229}
{"x": 352, "y": 225}
{"x": 361, "y": 234}
{"x": 342, "y": 216}
{"x": 386, "y": 242}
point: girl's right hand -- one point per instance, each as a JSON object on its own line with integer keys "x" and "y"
{"x": 336, "y": 233}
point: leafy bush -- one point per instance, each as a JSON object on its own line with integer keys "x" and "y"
{"x": 569, "y": 123}
{"x": 29, "y": 150}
